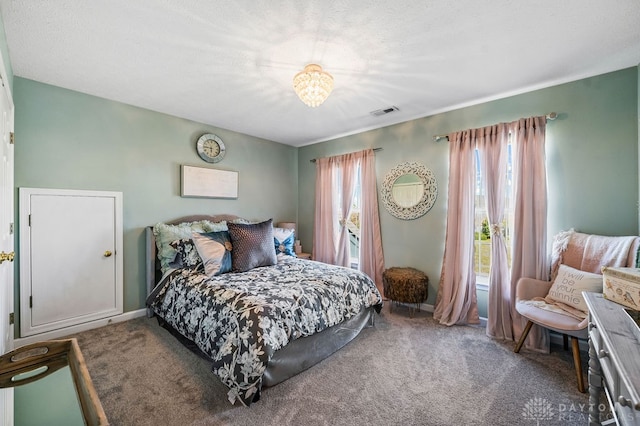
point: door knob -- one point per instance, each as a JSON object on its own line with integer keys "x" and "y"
{"x": 107, "y": 253}
{"x": 7, "y": 256}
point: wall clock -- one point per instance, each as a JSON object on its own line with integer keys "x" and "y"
{"x": 210, "y": 148}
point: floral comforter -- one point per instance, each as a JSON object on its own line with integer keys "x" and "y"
{"x": 240, "y": 319}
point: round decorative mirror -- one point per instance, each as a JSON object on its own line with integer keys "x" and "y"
{"x": 409, "y": 190}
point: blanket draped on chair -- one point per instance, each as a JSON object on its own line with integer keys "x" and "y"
{"x": 589, "y": 253}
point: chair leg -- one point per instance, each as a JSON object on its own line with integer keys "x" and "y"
{"x": 565, "y": 341}
{"x": 576, "y": 361}
{"x": 523, "y": 337}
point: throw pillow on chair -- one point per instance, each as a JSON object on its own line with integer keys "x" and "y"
{"x": 559, "y": 305}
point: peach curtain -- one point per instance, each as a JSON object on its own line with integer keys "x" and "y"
{"x": 456, "y": 301}
{"x": 341, "y": 171}
{"x": 324, "y": 247}
{"x": 529, "y": 242}
{"x": 371, "y": 255}
{"x": 493, "y": 149}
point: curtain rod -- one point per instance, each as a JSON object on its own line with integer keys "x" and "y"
{"x": 313, "y": 160}
{"x": 551, "y": 116}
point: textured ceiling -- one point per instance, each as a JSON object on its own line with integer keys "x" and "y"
{"x": 230, "y": 64}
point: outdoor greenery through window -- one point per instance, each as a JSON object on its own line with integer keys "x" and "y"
{"x": 482, "y": 227}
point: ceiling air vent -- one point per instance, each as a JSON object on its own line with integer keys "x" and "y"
{"x": 384, "y": 111}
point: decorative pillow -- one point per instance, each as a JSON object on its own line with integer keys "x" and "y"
{"x": 166, "y": 234}
{"x": 569, "y": 284}
{"x": 214, "y": 249}
{"x": 252, "y": 245}
{"x": 284, "y": 240}
{"x": 187, "y": 256}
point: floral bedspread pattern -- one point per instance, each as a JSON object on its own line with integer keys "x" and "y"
{"x": 240, "y": 319}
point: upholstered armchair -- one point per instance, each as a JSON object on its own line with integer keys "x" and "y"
{"x": 557, "y": 304}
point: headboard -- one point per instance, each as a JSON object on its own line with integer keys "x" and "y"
{"x": 152, "y": 263}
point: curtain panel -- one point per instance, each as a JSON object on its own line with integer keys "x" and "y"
{"x": 456, "y": 302}
{"x": 493, "y": 149}
{"x": 529, "y": 245}
{"x": 336, "y": 179}
{"x": 324, "y": 247}
{"x": 371, "y": 254}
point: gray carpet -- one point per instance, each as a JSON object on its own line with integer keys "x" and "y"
{"x": 404, "y": 371}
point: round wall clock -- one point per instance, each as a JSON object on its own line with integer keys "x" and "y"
{"x": 210, "y": 148}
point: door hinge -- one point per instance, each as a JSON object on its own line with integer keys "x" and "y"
{"x": 11, "y": 318}
{"x": 31, "y": 301}
{"x": 11, "y": 228}
{"x": 29, "y": 220}
{"x": 11, "y": 137}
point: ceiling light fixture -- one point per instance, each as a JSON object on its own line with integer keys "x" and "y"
{"x": 313, "y": 85}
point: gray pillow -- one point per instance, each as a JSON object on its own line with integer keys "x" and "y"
{"x": 252, "y": 245}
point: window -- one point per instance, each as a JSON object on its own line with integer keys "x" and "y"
{"x": 482, "y": 227}
{"x": 353, "y": 225}
{"x": 352, "y": 222}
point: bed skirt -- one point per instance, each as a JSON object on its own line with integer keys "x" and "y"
{"x": 302, "y": 353}
{"x": 305, "y": 352}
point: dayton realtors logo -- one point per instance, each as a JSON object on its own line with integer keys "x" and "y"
{"x": 541, "y": 410}
{"x": 538, "y": 409}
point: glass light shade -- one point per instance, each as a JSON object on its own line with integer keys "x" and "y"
{"x": 313, "y": 85}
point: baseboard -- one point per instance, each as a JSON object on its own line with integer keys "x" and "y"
{"x": 430, "y": 308}
{"x": 554, "y": 338}
{"x": 483, "y": 322}
{"x": 67, "y": 331}
{"x": 423, "y": 306}
{"x": 427, "y": 307}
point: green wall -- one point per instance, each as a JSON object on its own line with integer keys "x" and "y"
{"x": 592, "y": 164}
{"x": 70, "y": 140}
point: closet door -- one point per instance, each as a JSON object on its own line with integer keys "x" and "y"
{"x": 72, "y": 243}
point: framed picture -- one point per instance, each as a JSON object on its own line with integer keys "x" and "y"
{"x": 210, "y": 183}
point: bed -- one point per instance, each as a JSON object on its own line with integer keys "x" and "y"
{"x": 257, "y": 325}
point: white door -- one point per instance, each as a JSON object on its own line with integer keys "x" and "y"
{"x": 6, "y": 244}
{"x": 72, "y": 274}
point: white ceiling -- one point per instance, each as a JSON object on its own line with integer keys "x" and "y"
{"x": 230, "y": 64}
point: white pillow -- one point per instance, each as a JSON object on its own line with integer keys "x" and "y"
{"x": 569, "y": 284}
{"x": 282, "y": 234}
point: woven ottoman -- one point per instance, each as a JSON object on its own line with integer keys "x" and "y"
{"x": 405, "y": 285}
